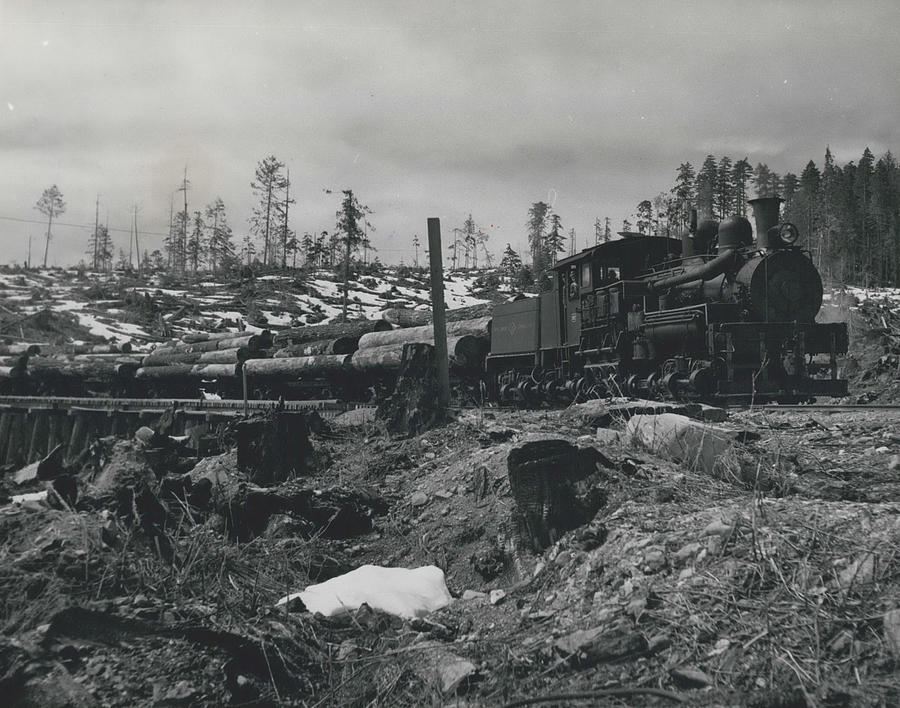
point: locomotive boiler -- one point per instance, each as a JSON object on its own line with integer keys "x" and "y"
{"x": 718, "y": 314}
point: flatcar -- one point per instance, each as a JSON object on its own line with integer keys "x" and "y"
{"x": 719, "y": 314}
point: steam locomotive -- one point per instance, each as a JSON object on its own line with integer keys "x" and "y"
{"x": 715, "y": 315}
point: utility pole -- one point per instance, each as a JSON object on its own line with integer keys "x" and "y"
{"x": 416, "y": 246}
{"x": 28, "y": 262}
{"x": 96, "y": 232}
{"x": 438, "y": 317}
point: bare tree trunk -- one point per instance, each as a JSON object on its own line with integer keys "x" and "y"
{"x": 47, "y": 246}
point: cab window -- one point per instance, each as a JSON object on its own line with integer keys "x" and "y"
{"x": 586, "y": 275}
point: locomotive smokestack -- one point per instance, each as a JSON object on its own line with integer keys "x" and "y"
{"x": 766, "y": 214}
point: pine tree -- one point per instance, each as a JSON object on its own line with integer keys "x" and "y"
{"x": 50, "y": 204}
{"x": 511, "y": 263}
{"x": 706, "y": 186}
{"x": 644, "y": 216}
{"x": 555, "y": 240}
{"x": 740, "y": 178}
{"x": 724, "y": 196}
{"x": 350, "y": 221}
{"x": 762, "y": 178}
{"x": 537, "y": 228}
{"x": 219, "y": 244}
{"x": 195, "y": 244}
{"x": 683, "y": 194}
{"x": 267, "y": 185}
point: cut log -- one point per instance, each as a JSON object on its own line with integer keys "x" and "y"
{"x": 216, "y": 371}
{"x": 12, "y": 372}
{"x": 314, "y": 333}
{"x": 115, "y": 358}
{"x": 43, "y": 368}
{"x": 401, "y": 317}
{"x": 178, "y": 347}
{"x": 23, "y": 348}
{"x": 341, "y": 345}
{"x": 194, "y": 337}
{"x": 167, "y": 359}
{"x": 416, "y": 318}
{"x": 478, "y": 327}
{"x": 297, "y": 366}
{"x": 253, "y": 342}
{"x": 15, "y": 360}
{"x": 466, "y": 352}
{"x": 236, "y": 355}
{"x": 174, "y": 371}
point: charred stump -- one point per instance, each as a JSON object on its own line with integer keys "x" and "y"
{"x": 412, "y": 407}
{"x": 273, "y": 447}
{"x": 557, "y": 487}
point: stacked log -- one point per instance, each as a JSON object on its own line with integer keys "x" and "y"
{"x": 466, "y": 352}
{"x": 21, "y": 348}
{"x": 79, "y": 349}
{"x": 48, "y": 368}
{"x": 339, "y": 345}
{"x": 403, "y": 317}
{"x": 203, "y": 355}
{"x": 295, "y": 367}
{"x": 217, "y": 371}
{"x": 480, "y": 327}
{"x": 327, "y": 332}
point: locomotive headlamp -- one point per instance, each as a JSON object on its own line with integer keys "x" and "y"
{"x": 783, "y": 234}
{"x": 788, "y": 233}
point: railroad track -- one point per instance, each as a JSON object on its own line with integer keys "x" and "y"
{"x": 327, "y": 408}
{"x": 837, "y": 408}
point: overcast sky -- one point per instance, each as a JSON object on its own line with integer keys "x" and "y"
{"x": 422, "y": 108}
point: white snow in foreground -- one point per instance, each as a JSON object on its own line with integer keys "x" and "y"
{"x": 29, "y": 497}
{"x": 403, "y": 592}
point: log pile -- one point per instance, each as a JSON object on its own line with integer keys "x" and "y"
{"x": 203, "y": 355}
{"x": 468, "y": 342}
{"x": 341, "y": 353}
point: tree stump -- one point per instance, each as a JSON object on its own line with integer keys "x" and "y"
{"x": 412, "y": 407}
{"x": 273, "y": 447}
{"x": 557, "y": 487}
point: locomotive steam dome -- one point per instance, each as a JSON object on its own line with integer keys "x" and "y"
{"x": 781, "y": 286}
{"x": 735, "y": 232}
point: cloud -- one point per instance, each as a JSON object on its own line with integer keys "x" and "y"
{"x": 425, "y": 109}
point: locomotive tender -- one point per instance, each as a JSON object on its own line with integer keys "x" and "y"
{"x": 715, "y": 315}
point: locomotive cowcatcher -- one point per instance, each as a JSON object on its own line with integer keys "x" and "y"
{"x": 716, "y": 315}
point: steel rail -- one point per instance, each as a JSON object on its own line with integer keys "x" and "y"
{"x": 225, "y": 407}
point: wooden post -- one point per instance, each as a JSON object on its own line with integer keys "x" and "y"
{"x": 56, "y": 427}
{"x": 16, "y": 429}
{"x": 439, "y": 318}
{"x": 5, "y": 424}
{"x": 38, "y": 436}
{"x": 78, "y": 436}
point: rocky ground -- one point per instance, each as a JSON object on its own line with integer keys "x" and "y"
{"x": 767, "y": 577}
